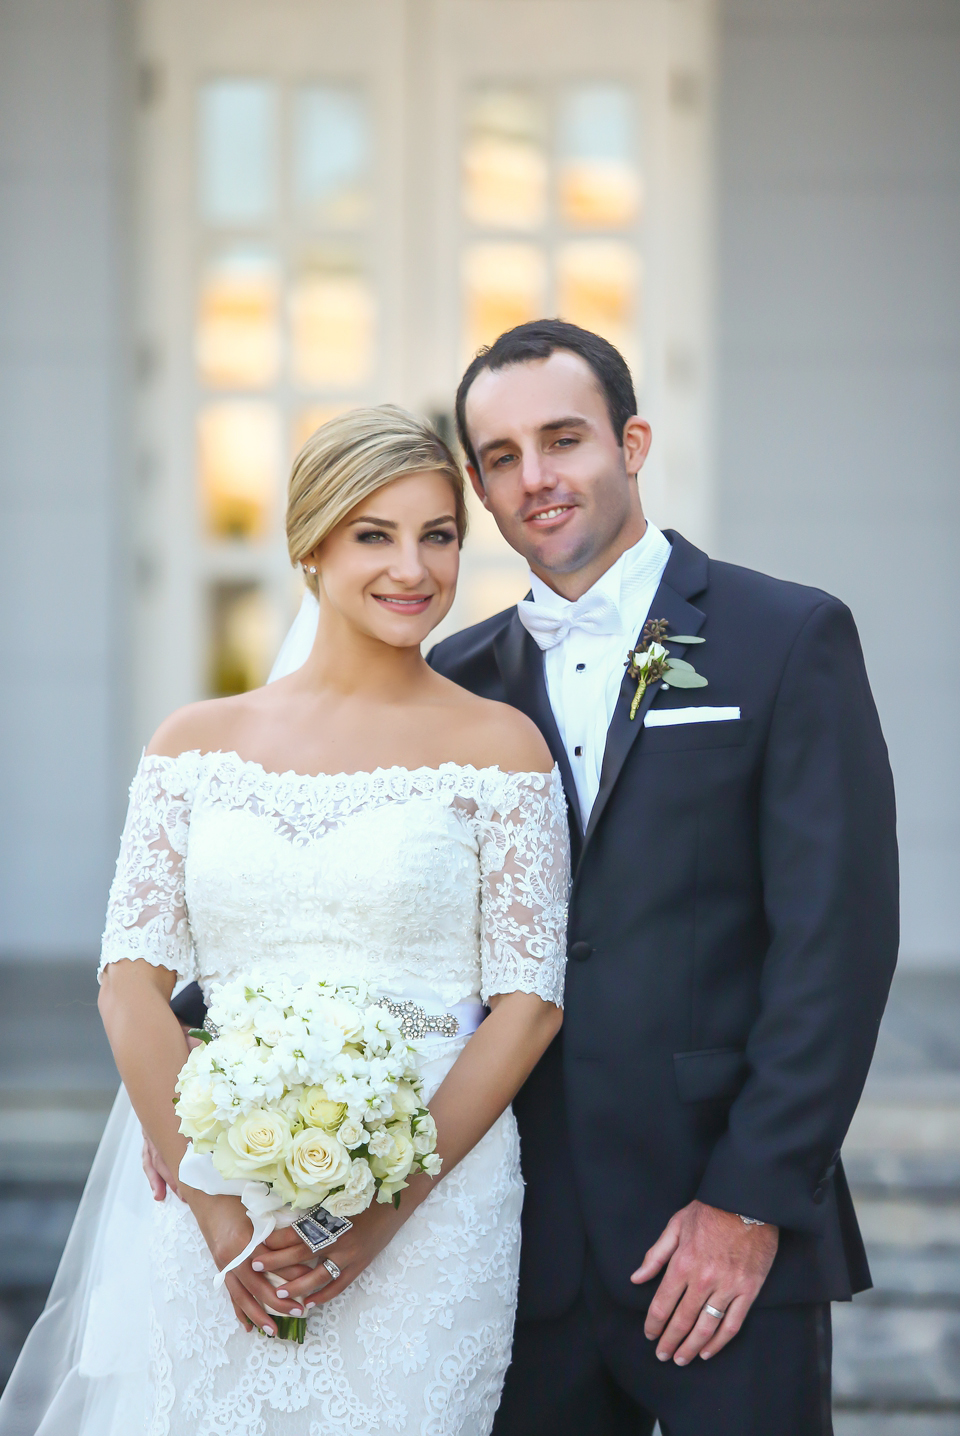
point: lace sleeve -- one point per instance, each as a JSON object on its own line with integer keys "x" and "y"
{"x": 146, "y": 912}
{"x": 525, "y": 881}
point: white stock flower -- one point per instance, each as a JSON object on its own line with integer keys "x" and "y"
{"x": 357, "y": 1194}
{"x": 318, "y": 1159}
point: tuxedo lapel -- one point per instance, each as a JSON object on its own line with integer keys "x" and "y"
{"x": 685, "y": 575}
{"x": 520, "y": 661}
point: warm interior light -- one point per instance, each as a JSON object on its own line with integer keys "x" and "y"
{"x": 503, "y": 285}
{"x": 597, "y": 289}
{"x": 243, "y": 638}
{"x": 504, "y": 164}
{"x": 332, "y": 328}
{"x": 238, "y": 339}
{"x": 238, "y": 450}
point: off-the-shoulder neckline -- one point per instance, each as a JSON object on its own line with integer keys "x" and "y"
{"x": 292, "y": 775}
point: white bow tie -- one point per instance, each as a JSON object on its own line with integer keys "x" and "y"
{"x": 594, "y": 613}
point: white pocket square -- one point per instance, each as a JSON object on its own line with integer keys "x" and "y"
{"x": 666, "y": 717}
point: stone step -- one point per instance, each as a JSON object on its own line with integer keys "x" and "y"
{"x": 51, "y": 1134}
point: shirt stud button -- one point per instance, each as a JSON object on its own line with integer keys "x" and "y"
{"x": 581, "y": 667}
{"x": 578, "y": 751}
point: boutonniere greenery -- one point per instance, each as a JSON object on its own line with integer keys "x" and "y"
{"x": 650, "y": 662}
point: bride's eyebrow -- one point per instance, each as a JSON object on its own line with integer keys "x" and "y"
{"x": 390, "y": 524}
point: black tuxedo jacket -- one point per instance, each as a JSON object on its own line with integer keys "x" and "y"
{"x": 733, "y": 933}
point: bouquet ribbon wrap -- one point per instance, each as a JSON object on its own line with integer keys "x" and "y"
{"x": 266, "y": 1211}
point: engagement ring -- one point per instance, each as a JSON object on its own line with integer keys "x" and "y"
{"x": 332, "y": 1268}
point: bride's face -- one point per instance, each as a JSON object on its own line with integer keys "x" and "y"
{"x": 390, "y": 567}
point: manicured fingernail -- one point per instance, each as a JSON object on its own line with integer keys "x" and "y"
{"x": 282, "y": 1294}
{"x": 296, "y": 1311}
{"x": 269, "y": 1331}
{"x": 311, "y": 1305}
{"x": 258, "y": 1266}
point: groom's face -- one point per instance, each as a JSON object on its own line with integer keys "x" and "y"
{"x": 563, "y": 491}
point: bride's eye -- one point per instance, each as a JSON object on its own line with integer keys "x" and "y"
{"x": 440, "y": 536}
{"x": 371, "y": 535}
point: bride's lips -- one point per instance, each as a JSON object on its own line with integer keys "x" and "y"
{"x": 552, "y": 516}
{"x": 409, "y": 603}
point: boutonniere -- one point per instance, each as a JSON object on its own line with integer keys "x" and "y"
{"x": 650, "y": 662}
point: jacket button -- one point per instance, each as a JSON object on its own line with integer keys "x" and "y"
{"x": 819, "y": 1195}
{"x": 580, "y": 951}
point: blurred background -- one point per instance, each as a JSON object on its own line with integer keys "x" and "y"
{"x": 223, "y": 221}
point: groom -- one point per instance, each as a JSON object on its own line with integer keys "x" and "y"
{"x": 733, "y": 930}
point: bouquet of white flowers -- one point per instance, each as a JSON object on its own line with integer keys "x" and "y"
{"x": 311, "y": 1090}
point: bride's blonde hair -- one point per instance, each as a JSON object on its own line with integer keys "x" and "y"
{"x": 352, "y": 456}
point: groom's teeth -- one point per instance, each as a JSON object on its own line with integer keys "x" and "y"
{"x": 552, "y": 513}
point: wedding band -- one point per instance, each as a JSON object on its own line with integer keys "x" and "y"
{"x": 332, "y": 1268}
{"x": 710, "y": 1310}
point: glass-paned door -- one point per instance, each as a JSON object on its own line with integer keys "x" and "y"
{"x": 338, "y": 205}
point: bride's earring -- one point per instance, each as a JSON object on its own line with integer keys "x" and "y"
{"x": 311, "y": 569}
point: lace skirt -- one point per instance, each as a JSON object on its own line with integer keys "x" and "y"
{"x": 136, "y": 1338}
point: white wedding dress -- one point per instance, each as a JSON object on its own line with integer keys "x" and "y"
{"x": 449, "y": 882}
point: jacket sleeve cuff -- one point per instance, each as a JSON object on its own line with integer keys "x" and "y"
{"x": 784, "y": 1197}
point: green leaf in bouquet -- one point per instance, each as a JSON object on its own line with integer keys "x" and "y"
{"x": 684, "y": 638}
{"x": 396, "y": 1201}
{"x": 201, "y": 1034}
{"x": 683, "y": 679}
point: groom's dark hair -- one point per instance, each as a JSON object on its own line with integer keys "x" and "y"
{"x": 538, "y": 340}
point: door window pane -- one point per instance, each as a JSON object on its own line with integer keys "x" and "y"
{"x": 238, "y": 446}
{"x": 331, "y": 155}
{"x": 505, "y": 161}
{"x": 238, "y": 339}
{"x": 599, "y": 185}
{"x": 503, "y": 285}
{"x": 242, "y": 638}
{"x": 332, "y": 325}
{"x": 309, "y": 420}
{"x": 237, "y": 151}
{"x": 597, "y": 289}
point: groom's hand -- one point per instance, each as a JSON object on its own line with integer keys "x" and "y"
{"x": 712, "y": 1259}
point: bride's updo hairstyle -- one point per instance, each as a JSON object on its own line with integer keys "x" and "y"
{"x": 352, "y": 456}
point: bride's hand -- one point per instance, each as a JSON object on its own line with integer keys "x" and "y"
{"x": 226, "y": 1229}
{"x": 351, "y": 1253}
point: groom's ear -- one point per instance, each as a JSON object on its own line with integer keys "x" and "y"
{"x": 477, "y": 484}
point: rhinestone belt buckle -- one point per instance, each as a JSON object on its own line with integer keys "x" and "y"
{"x": 320, "y": 1228}
{"x": 415, "y": 1022}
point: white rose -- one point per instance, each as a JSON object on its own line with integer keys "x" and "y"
{"x": 405, "y": 1100}
{"x": 392, "y": 1166}
{"x": 352, "y": 1132}
{"x": 258, "y": 1142}
{"x": 318, "y": 1159}
{"x": 197, "y": 1112}
{"x": 424, "y": 1134}
{"x": 431, "y": 1164}
{"x": 317, "y": 1110}
{"x": 356, "y": 1195}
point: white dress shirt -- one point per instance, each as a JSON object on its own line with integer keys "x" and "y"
{"x": 584, "y": 668}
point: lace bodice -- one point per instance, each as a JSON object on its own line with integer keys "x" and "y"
{"x": 454, "y": 877}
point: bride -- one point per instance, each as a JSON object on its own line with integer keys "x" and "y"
{"x": 360, "y": 817}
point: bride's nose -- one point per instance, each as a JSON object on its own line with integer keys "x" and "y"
{"x": 406, "y": 562}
